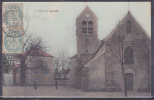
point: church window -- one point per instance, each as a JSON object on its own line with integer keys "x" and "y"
{"x": 84, "y": 27}
{"x": 90, "y": 27}
{"x": 128, "y": 27}
{"x": 128, "y": 55}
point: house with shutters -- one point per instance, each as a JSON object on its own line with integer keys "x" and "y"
{"x": 96, "y": 66}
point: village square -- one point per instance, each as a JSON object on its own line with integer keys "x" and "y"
{"x": 115, "y": 66}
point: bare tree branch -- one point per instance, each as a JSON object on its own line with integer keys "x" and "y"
{"x": 115, "y": 55}
{"x": 35, "y": 43}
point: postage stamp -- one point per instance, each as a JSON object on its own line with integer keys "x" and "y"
{"x": 77, "y": 49}
{"x": 12, "y": 28}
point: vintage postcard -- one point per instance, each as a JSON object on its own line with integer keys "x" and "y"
{"x": 76, "y": 49}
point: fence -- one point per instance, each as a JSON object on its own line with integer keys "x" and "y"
{"x": 40, "y": 79}
{"x": 63, "y": 82}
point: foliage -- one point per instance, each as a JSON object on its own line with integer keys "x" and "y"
{"x": 33, "y": 43}
{"x": 62, "y": 65}
{"x": 5, "y": 63}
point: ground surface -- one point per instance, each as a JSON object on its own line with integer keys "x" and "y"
{"x": 62, "y": 92}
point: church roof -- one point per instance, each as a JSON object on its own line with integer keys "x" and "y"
{"x": 38, "y": 52}
{"x": 102, "y": 43}
{"x": 87, "y": 10}
{"x": 128, "y": 15}
{"x": 17, "y": 66}
{"x": 74, "y": 56}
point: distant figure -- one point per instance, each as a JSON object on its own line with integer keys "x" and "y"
{"x": 35, "y": 86}
{"x": 56, "y": 85}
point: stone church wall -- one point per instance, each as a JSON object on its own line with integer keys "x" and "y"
{"x": 140, "y": 68}
{"x": 85, "y": 79}
{"x": 72, "y": 77}
{"x": 96, "y": 73}
{"x": 91, "y": 46}
{"x": 86, "y": 58}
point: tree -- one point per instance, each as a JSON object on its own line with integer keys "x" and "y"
{"x": 5, "y": 63}
{"x": 62, "y": 64}
{"x": 57, "y": 66}
{"x": 39, "y": 64}
{"x": 32, "y": 44}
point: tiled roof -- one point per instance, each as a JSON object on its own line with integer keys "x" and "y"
{"x": 17, "y": 66}
{"x": 38, "y": 53}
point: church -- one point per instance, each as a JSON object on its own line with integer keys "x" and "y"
{"x": 103, "y": 65}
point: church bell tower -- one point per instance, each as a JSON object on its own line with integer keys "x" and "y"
{"x": 87, "y": 28}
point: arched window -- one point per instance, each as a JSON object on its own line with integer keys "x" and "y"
{"x": 128, "y": 27}
{"x": 84, "y": 24}
{"x": 90, "y": 27}
{"x": 90, "y": 24}
{"x": 128, "y": 55}
{"x": 84, "y": 27}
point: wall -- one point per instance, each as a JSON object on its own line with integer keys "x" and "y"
{"x": 41, "y": 79}
{"x": 63, "y": 82}
{"x": 96, "y": 71}
{"x": 93, "y": 37}
{"x": 140, "y": 67}
{"x": 72, "y": 77}
{"x": 85, "y": 79}
{"x": 8, "y": 79}
{"x": 86, "y": 58}
{"x": 49, "y": 60}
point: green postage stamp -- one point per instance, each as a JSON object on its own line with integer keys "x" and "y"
{"x": 12, "y": 28}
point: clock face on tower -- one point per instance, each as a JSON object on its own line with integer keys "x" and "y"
{"x": 87, "y": 14}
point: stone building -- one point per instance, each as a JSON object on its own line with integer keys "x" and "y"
{"x": 96, "y": 66}
{"x": 40, "y": 69}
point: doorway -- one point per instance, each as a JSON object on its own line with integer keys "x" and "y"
{"x": 129, "y": 81}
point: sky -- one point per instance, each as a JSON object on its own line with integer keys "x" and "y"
{"x": 58, "y": 29}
